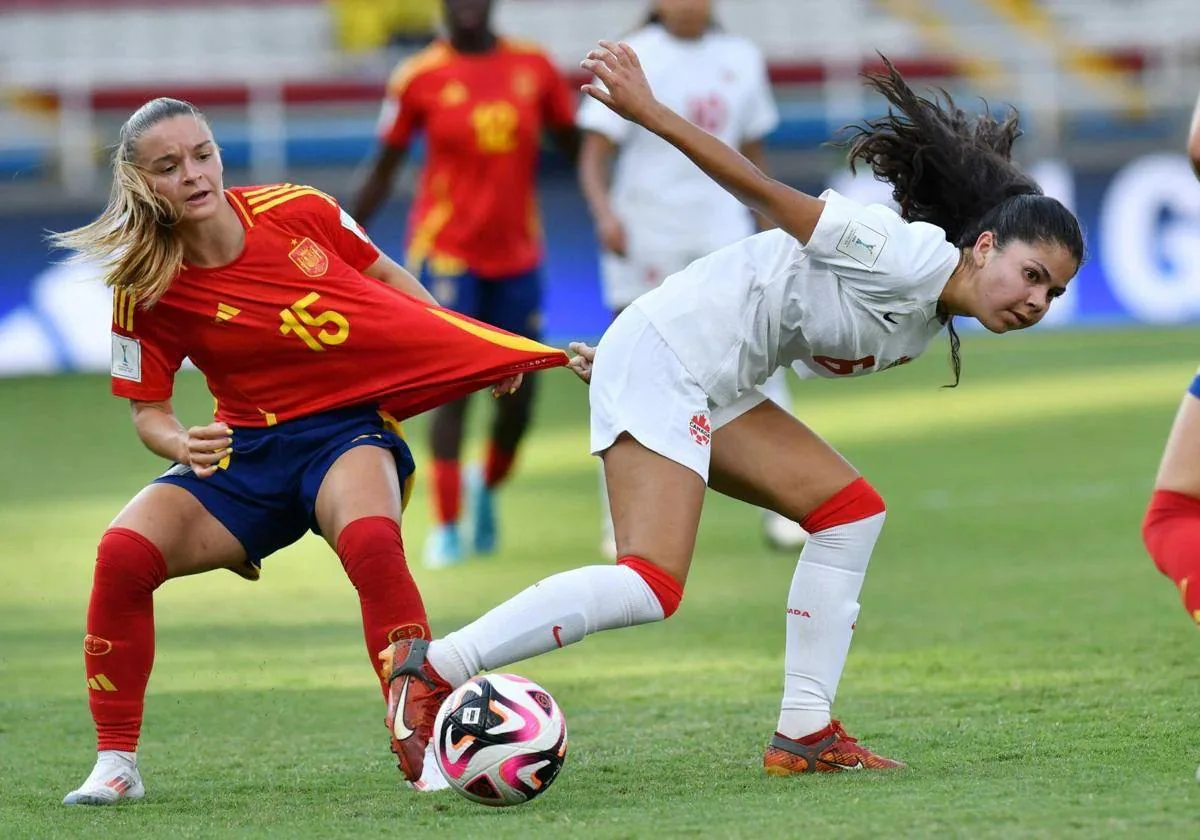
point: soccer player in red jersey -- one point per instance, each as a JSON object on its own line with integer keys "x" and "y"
{"x": 1171, "y": 529}
{"x": 312, "y": 341}
{"x": 483, "y": 103}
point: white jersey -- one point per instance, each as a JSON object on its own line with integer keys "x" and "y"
{"x": 719, "y": 82}
{"x": 860, "y": 297}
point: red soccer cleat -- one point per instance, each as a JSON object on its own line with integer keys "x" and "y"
{"x": 829, "y": 750}
{"x": 415, "y": 691}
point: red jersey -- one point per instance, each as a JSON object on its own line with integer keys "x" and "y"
{"x": 483, "y": 115}
{"x": 293, "y": 327}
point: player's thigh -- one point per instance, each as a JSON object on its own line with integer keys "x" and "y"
{"x": 649, "y": 421}
{"x": 1180, "y": 467}
{"x": 190, "y": 538}
{"x": 655, "y": 503}
{"x": 363, "y": 481}
{"x": 770, "y": 459}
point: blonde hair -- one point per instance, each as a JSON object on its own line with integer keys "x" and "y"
{"x": 133, "y": 239}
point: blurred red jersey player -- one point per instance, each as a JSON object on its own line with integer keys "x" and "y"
{"x": 482, "y": 104}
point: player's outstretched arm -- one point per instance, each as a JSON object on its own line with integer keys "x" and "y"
{"x": 627, "y": 92}
{"x": 200, "y": 447}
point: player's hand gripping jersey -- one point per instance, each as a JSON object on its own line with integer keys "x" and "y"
{"x": 293, "y": 327}
{"x": 860, "y": 297}
{"x": 483, "y": 117}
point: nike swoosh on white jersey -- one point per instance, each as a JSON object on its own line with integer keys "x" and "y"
{"x": 398, "y": 725}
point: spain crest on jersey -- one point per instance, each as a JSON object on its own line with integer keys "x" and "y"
{"x": 309, "y": 258}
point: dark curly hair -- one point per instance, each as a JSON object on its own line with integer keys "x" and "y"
{"x": 954, "y": 170}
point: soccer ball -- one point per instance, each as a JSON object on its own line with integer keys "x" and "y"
{"x": 500, "y": 739}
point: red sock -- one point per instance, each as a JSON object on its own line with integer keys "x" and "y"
{"x": 499, "y": 464}
{"x": 119, "y": 646}
{"x": 447, "y": 490}
{"x": 668, "y": 590}
{"x": 857, "y": 500}
{"x": 372, "y": 553}
{"x": 1171, "y": 531}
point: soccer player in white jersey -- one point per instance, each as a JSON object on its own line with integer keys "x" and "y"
{"x": 660, "y": 212}
{"x": 839, "y": 289}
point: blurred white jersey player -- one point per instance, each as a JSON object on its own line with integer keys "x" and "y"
{"x": 659, "y": 213}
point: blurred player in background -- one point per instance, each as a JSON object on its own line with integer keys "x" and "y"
{"x": 307, "y": 336}
{"x": 1172, "y": 525}
{"x": 839, "y": 289}
{"x": 474, "y": 239}
{"x": 660, "y": 212}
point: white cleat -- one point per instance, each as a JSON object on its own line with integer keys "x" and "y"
{"x": 115, "y": 777}
{"x": 431, "y": 775}
{"x": 781, "y": 532}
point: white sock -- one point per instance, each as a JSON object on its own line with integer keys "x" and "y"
{"x": 777, "y": 390}
{"x": 557, "y": 612}
{"x": 822, "y": 607}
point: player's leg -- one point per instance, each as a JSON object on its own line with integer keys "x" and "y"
{"x": 770, "y": 459}
{"x": 513, "y": 304}
{"x": 357, "y": 509}
{"x": 1171, "y": 528}
{"x": 164, "y": 532}
{"x": 650, "y": 423}
{"x": 780, "y": 531}
{"x": 622, "y": 280}
{"x": 443, "y": 547}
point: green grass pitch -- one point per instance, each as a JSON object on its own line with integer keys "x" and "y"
{"x": 1016, "y": 646}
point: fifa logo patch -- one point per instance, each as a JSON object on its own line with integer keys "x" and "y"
{"x": 700, "y": 429}
{"x": 861, "y": 243}
{"x": 309, "y": 258}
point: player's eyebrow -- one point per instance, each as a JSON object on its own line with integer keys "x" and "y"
{"x": 173, "y": 156}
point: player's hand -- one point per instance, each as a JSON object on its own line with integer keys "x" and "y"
{"x": 205, "y": 446}
{"x": 611, "y": 234}
{"x": 626, "y": 90}
{"x": 581, "y": 362}
{"x": 508, "y": 385}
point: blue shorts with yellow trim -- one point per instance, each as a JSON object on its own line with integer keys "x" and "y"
{"x": 266, "y": 495}
{"x": 512, "y": 303}
{"x": 1195, "y": 389}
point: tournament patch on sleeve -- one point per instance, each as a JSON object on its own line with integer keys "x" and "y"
{"x": 354, "y": 227}
{"x": 126, "y": 358}
{"x": 861, "y": 243}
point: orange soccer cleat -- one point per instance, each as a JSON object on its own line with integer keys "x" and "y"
{"x": 415, "y": 691}
{"x": 829, "y": 750}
